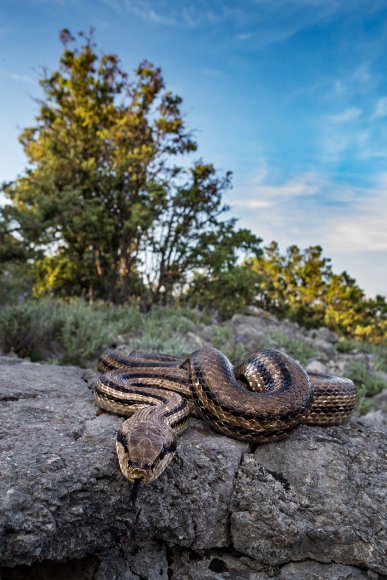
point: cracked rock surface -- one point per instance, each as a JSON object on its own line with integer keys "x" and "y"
{"x": 312, "y": 506}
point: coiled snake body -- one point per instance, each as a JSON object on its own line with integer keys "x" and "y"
{"x": 262, "y": 399}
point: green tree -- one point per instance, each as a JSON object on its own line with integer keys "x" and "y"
{"x": 100, "y": 170}
{"x": 106, "y": 208}
{"x": 301, "y": 286}
{"x": 220, "y": 282}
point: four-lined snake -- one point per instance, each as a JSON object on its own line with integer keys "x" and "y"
{"x": 262, "y": 399}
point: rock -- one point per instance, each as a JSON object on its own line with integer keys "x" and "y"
{"x": 380, "y": 401}
{"x": 254, "y": 321}
{"x": 381, "y": 375}
{"x": 325, "y": 347}
{"x": 323, "y": 333}
{"x": 308, "y": 505}
{"x": 317, "y": 495}
{"x": 132, "y": 562}
{"x": 252, "y": 338}
{"x": 63, "y": 495}
{"x": 205, "y": 331}
{"x": 377, "y": 420}
{"x": 194, "y": 342}
{"x": 310, "y": 570}
{"x": 260, "y": 313}
{"x": 316, "y": 366}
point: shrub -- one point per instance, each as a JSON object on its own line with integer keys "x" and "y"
{"x": 368, "y": 385}
{"x": 295, "y": 347}
{"x": 84, "y": 331}
{"x": 225, "y": 339}
{"x": 30, "y": 328}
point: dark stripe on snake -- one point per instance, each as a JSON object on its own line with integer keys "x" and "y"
{"x": 165, "y": 377}
{"x": 128, "y": 401}
{"x": 332, "y": 408}
{"x": 264, "y": 375}
{"x": 214, "y": 398}
{"x": 122, "y": 388}
{"x": 123, "y": 440}
{"x": 253, "y": 434}
{"x": 180, "y": 407}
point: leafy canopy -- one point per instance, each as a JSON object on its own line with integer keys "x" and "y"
{"x": 107, "y": 208}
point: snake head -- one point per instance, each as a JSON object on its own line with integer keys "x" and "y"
{"x": 145, "y": 446}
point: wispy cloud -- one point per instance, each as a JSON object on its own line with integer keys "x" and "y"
{"x": 263, "y": 23}
{"x": 347, "y": 115}
{"x": 381, "y": 108}
{"x": 349, "y": 222}
{"x": 147, "y": 11}
{"x": 340, "y": 216}
{"x": 245, "y": 36}
{"x": 20, "y": 78}
{"x": 268, "y": 195}
{"x": 183, "y": 14}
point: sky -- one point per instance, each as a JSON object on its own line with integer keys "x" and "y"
{"x": 290, "y": 95}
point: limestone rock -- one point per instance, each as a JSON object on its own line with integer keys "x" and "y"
{"x": 310, "y": 570}
{"x": 323, "y": 346}
{"x": 260, "y": 313}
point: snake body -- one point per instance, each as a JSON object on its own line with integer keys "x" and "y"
{"x": 262, "y": 399}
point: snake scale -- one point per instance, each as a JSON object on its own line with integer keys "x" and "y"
{"x": 260, "y": 400}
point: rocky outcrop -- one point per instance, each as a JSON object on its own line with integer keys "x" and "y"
{"x": 308, "y": 507}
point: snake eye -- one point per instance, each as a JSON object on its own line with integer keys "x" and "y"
{"x": 167, "y": 449}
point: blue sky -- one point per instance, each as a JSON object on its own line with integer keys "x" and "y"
{"x": 291, "y": 95}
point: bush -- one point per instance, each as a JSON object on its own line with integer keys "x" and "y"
{"x": 30, "y": 328}
{"x": 368, "y": 385}
{"x": 224, "y": 339}
{"x": 84, "y": 331}
{"x": 51, "y": 329}
{"x": 295, "y": 347}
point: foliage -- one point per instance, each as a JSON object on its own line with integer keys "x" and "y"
{"x": 28, "y": 328}
{"x": 107, "y": 209}
{"x": 301, "y": 286}
{"x": 75, "y": 331}
{"x": 296, "y": 347}
{"x": 70, "y": 332}
{"x": 224, "y": 338}
{"x": 368, "y": 385}
{"x": 225, "y": 293}
{"x": 220, "y": 283}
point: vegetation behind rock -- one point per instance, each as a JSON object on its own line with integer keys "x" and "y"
{"x": 112, "y": 208}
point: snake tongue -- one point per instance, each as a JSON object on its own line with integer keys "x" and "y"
{"x": 134, "y": 492}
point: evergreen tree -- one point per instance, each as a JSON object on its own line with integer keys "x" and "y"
{"x": 106, "y": 204}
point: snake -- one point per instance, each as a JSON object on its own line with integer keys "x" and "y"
{"x": 262, "y": 399}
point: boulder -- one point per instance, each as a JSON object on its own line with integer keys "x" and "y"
{"x": 316, "y": 366}
{"x": 324, "y": 333}
{"x": 309, "y": 505}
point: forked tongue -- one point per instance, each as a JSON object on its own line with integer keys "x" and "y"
{"x": 134, "y": 492}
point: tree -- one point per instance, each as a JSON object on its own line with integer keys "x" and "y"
{"x": 220, "y": 281}
{"x": 105, "y": 209}
{"x": 301, "y": 286}
{"x": 102, "y": 174}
